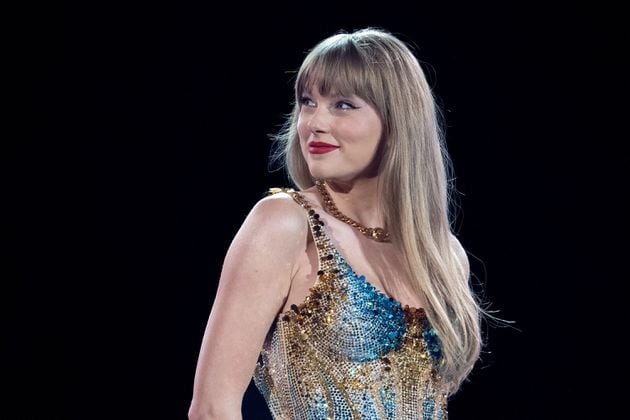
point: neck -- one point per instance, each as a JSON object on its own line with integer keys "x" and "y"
{"x": 360, "y": 200}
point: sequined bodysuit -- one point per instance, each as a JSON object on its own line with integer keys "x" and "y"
{"x": 349, "y": 351}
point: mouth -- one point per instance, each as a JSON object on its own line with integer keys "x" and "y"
{"x": 318, "y": 148}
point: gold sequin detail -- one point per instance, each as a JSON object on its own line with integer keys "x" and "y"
{"x": 348, "y": 351}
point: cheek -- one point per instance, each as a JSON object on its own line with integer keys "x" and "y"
{"x": 302, "y": 129}
{"x": 302, "y": 139}
{"x": 365, "y": 142}
{"x": 363, "y": 134}
{"x": 373, "y": 131}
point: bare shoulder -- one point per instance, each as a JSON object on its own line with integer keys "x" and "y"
{"x": 276, "y": 226}
{"x": 280, "y": 211}
{"x": 269, "y": 243}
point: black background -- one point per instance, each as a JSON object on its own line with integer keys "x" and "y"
{"x": 147, "y": 144}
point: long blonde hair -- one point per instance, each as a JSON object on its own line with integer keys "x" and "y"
{"x": 415, "y": 170}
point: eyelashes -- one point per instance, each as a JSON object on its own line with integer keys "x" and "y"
{"x": 345, "y": 105}
{"x": 305, "y": 100}
{"x": 341, "y": 104}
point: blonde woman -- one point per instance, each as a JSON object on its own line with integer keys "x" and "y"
{"x": 347, "y": 296}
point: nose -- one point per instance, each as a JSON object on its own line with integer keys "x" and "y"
{"x": 319, "y": 121}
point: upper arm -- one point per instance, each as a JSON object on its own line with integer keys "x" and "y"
{"x": 254, "y": 283}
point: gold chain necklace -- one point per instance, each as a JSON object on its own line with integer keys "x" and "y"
{"x": 378, "y": 234}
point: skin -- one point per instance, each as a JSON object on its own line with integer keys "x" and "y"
{"x": 254, "y": 283}
{"x": 259, "y": 281}
{"x": 348, "y": 122}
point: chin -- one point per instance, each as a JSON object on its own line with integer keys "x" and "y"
{"x": 330, "y": 171}
{"x": 319, "y": 171}
{"x": 331, "y": 176}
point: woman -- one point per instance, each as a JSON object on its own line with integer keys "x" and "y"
{"x": 350, "y": 297}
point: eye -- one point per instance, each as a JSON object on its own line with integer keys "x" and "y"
{"x": 305, "y": 100}
{"x": 345, "y": 105}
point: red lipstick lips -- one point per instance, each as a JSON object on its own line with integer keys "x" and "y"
{"x": 318, "y": 147}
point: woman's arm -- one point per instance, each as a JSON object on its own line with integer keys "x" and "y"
{"x": 254, "y": 284}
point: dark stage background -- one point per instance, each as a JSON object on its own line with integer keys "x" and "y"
{"x": 148, "y": 145}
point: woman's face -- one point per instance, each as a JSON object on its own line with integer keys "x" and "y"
{"x": 339, "y": 136}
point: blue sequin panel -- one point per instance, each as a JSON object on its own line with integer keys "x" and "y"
{"x": 372, "y": 324}
{"x": 434, "y": 345}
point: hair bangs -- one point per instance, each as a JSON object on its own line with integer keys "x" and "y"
{"x": 338, "y": 68}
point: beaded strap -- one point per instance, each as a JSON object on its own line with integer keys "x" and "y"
{"x": 325, "y": 249}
